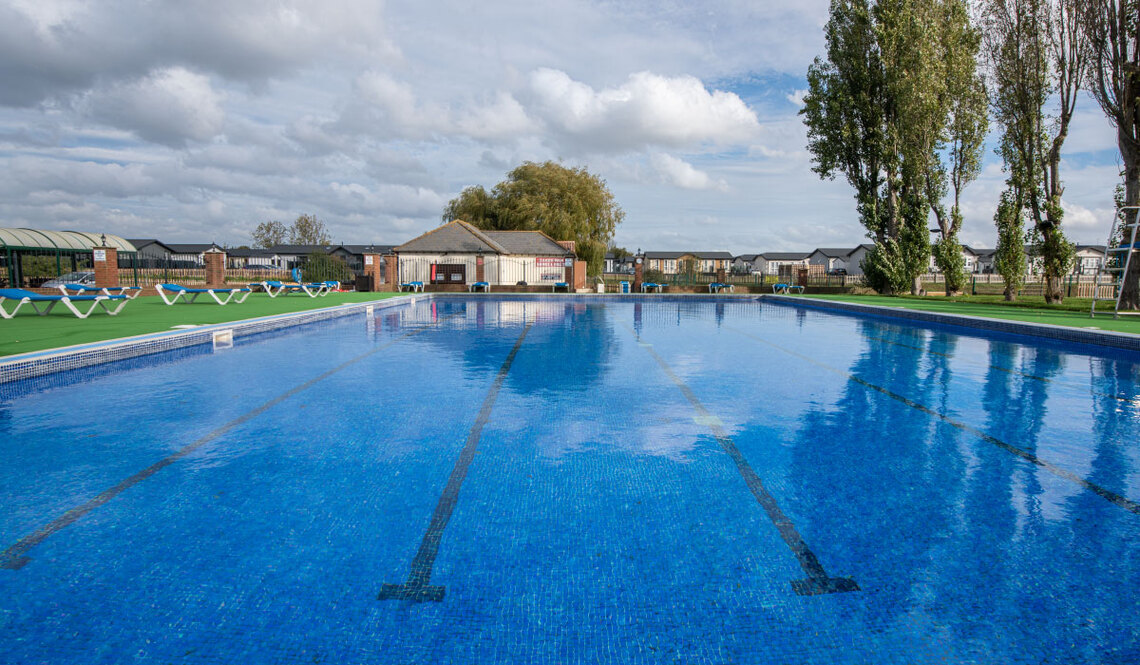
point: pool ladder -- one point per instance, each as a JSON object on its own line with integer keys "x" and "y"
{"x": 1117, "y": 260}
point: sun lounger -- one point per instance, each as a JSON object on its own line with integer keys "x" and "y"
{"x": 131, "y": 292}
{"x": 275, "y": 288}
{"x": 23, "y": 297}
{"x": 410, "y": 286}
{"x": 717, "y": 287}
{"x": 651, "y": 286}
{"x": 787, "y": 288}
{"x": 190, "y": 295}
{"x": 479, "y": 286}
{"x": 561, "y": 285}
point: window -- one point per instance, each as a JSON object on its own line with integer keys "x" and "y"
{"x": 449, "y": 273}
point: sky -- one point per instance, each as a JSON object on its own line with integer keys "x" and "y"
{"x": 194, "y": 121}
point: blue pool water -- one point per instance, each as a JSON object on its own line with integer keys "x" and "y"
{"x": 526, "y": 481}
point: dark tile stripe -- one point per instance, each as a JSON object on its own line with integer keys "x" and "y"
{"x": 418, "y": 588}
{"x": 818, "y": 581}
{"x": 16, "y": 555}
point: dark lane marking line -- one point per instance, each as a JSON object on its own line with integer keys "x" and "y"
{"x": 418, "y": 588}
{"x": 1007, "y": 370}
{"x": 15, "y": 556}
{"x": 1060, "y": 472}
{"x": 818, "y": 581}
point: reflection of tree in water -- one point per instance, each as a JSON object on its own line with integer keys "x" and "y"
{"x": 568, "y": 347}
{"x": 988, "y": 525}
{"x": 1115, "y": 388}
{"x": 953, "y": 526}
{"x": 1004, "y": 564}
{"x": 576, "y": 352}
{"x": 863, "y": 469}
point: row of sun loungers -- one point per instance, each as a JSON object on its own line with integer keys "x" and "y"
{"x": 83, "y": 299}
{"x": 72, "y": 302}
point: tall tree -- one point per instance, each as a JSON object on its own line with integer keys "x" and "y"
{"x": 308, "y": 230}
{"x": 897, "y": 87}
{"x": 846, "y": 107}
{"x": 965, "y": 134}
{"x": 474, "y": 205}
{"x": 305, "y": 230}
{"x": 564, "y": 203}
{"x": 1036, "y": 54}
{"x": 1112, "y": 31}
{"x": 1009, "y": 257}
{"x": 268, "y": 234}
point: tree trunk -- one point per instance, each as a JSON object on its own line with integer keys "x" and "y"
{"x": 1009, "y": 295}
{"x": 1053, "y": 292}
{"x": 1130, "y": 297}
{"x": 916, "y": 286}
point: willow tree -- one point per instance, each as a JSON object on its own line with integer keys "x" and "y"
{"x": 893, "y": 93}
{"x": 1112, "y": 31}
{"x": 564, "y": 203}
{"x": 1036, "y": 56}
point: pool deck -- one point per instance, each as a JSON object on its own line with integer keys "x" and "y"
{"x": 112, "y": 347}
{"x": 1018, "y": 326}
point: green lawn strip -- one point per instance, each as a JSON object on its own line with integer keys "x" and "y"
{"x": 148, "y": 314}
{"x": 1072, "y": 314}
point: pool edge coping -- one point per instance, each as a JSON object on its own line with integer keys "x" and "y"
{"x": 50, "y": 361}
{"x": 1103, "y": 338}
{"x": 34, "y": 364}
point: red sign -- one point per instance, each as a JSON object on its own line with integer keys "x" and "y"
{"x": 548, "y": 262}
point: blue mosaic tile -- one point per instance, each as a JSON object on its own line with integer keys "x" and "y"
{"x": 628, "y": 480}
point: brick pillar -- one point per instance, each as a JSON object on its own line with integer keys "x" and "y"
{"x": 215, "y": 269}
{"x": 372, "y": 270}
{"x": 802, "y": 275}
{"x": 391, "y": 270}
{"x": 720, "y": 276}
{"x": 637, "y": 270}
{"x": 479, "y": 269}
{"x": 106, "y": 266}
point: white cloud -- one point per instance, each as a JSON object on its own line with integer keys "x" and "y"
{"x": 50, "y": 48}
{"x": 647, "y": 110}
{"x": 168, "y": 106}
{"x": 683, "y": 174}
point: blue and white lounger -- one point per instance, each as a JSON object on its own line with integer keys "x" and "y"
{"x": 411, "y": 286}
{"x": 717, "y": 287}
{"x": 23, "y": 297}
{"x": 565, "y": 286}
{"x": 275, "y": 288}
{"x": 479, "y": 286}
{"x": 787, "y": 288}
{"x": 131, "y": 292}
{"x": 651, "y": 286}
{"x": 190, "y": 295}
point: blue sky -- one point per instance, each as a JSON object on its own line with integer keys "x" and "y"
{"x": 195, "y": 121}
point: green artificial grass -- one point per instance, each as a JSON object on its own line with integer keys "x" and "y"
{"x": 1073, "y": 312}
{"x": 148, "y": 314}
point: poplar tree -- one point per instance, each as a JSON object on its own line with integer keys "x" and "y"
{"x": 1036, "y": 54}
{"x": 966, "y": 133}
{"x": 896, "y": 91}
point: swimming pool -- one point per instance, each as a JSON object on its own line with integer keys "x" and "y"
{"x": 573, "y": 481}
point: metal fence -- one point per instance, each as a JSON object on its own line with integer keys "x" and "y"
{"x": 29, "y": 268}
